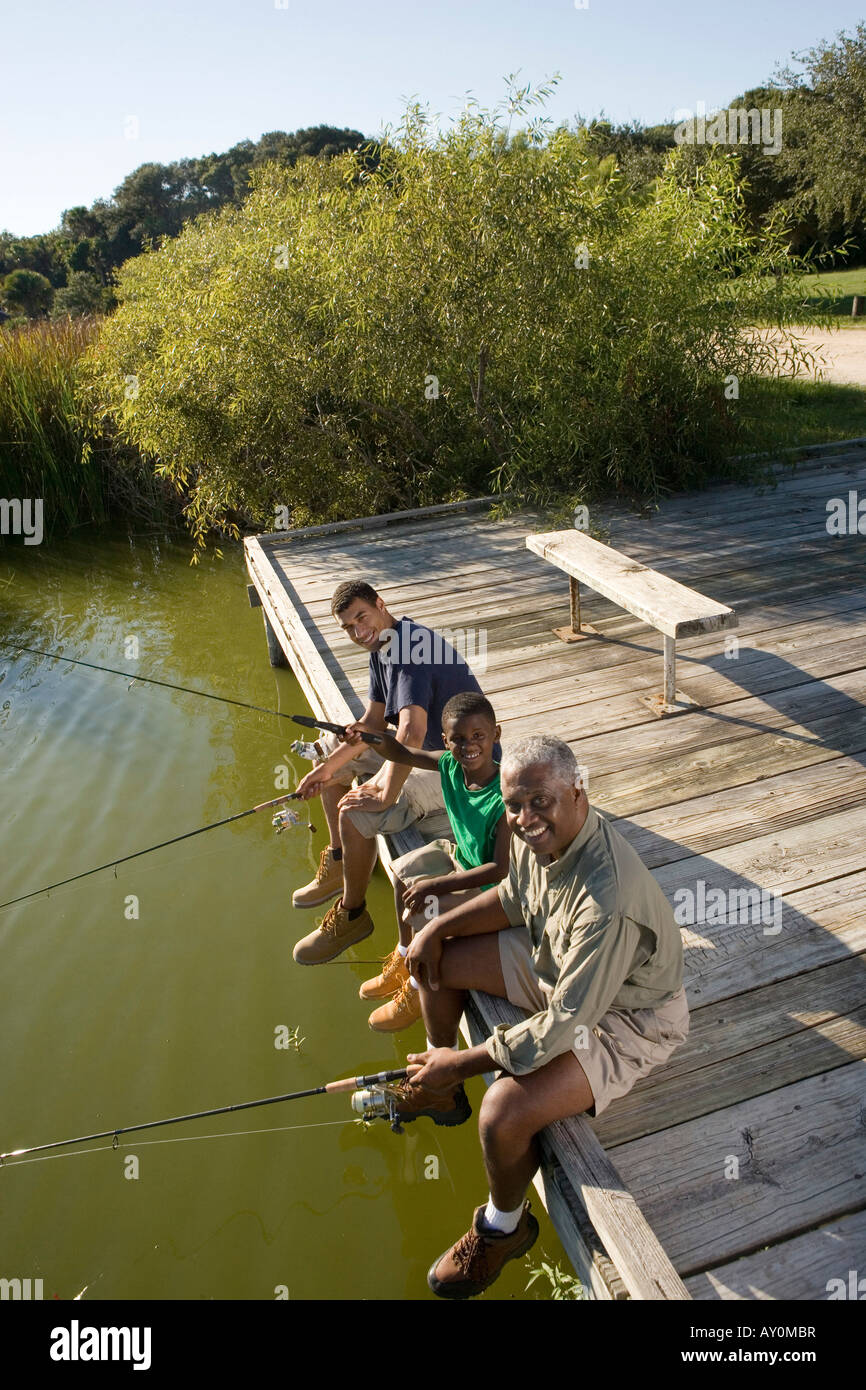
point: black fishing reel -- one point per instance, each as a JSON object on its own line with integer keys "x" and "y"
{"x": 378, "y": 1104}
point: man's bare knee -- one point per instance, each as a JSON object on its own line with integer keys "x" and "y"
{"x": 348, "y": 828}
{"x": 504, "y": 1115}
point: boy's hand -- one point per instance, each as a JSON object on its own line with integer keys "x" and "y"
{"x": 353, "y": 733}
{"x": 416, "y": 894}
{"x": 311, "y": 784}
{"x": 424, "y": 958}
{"x": 368, "y": 797}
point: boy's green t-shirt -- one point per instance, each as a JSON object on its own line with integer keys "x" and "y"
{"x": 474, "y": 815}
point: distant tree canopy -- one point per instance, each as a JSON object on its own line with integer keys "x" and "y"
{"x": 26, "y": 292}
{"x": 817, "y": 179}
{"x": 476, "y": 313}
{"x": 154, "y": 201}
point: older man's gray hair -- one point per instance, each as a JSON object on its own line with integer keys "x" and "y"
{"x": 521, "y": 753}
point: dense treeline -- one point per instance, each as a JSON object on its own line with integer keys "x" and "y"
{"x": 817, "y": 178}
{"x": 475, "y": 313}
{"x": 71, "y": 270}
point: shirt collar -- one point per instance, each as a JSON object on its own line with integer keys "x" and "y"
{"x": 564, "y": 865}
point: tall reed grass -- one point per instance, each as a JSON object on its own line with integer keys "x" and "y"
{"x": 53, "y": 445}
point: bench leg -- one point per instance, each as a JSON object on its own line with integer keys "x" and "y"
{"x": 670, "y": 701}
{"x": 670, "y": 670}
{"x": 578, "y": 630}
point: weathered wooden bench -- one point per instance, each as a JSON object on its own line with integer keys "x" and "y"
{"x": 663, "y": 603}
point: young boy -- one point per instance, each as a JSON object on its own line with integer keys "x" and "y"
{"x": 430, "y": 880}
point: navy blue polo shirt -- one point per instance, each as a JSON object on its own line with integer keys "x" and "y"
{"x": 416, "y": 666}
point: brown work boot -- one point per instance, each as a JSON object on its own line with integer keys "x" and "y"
{"x": 400, "y": 1012}
{"x": 394, "y": 975}
{"x": 442, "y": 1107}
{"x": 334, "y": 933}
{"x": 477, "y": 1259}
{"x": 327, "y": 883}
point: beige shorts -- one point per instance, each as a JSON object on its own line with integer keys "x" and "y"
{"x": 430, "y": 861}
{"x": 435, "y": 860}
{"x": 419, "y": 803}
{"x": 624, "y": 1045}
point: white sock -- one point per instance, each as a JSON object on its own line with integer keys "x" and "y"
{"x": 504, "y": 1221}
{"x": 413, "y": 982}
{"x": 404, "y": 950}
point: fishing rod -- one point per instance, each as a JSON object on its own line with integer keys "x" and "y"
{"x": 308, "y": 723}
{"x": 281, "y": 820}
{"x": 339, "y": 729}
{"x": 373, "y": 1098}
{"x": 147, "y": 680}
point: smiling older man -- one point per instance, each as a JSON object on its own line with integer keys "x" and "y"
{"x": 582, "y": 937}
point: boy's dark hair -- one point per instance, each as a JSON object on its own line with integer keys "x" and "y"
{"x": 352, "y": 589}
{"x": 468, "y": 702}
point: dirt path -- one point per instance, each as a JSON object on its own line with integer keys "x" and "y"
{"x": 843, "y": 353}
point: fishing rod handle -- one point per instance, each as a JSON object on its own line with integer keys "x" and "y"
{"x": 338, "y": 729}
{"x": 360, "y": 1083}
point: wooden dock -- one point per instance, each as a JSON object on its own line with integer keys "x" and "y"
{"x": 739, "y": 1168}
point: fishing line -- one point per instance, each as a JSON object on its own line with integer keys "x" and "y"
{"x": 367, "y": 1087}
{"x": 124, "y": 859}
{"x": 182, "y": 1139}
{"x": 148, "y": 680}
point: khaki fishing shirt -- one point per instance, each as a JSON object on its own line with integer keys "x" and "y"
{"x": 602, "y": 935}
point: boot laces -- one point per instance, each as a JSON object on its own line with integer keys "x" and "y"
{"x": 470, "y": 1254}
{"x": 404, "y": 994}
{"x": 324, "y": 865}
{"x": 329, "y": 923}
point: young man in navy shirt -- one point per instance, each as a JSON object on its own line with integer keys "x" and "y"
{"x": 413, "y": 674}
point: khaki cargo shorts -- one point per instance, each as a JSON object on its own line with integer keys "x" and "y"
{"x": 429, "y": 861}
{"x": 624, "y": 1045}
{"x": 419, "y": 803}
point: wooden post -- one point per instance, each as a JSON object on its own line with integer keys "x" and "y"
{"x": 276, "y": 655}
{"x": 574, "y": 598}
{"x": 857, "y": 306}
{"x": 670, "y": 670}
{"x": 576, "y": 631}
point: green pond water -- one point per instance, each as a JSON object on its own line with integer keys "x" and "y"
{"x": 108, "y": 1018}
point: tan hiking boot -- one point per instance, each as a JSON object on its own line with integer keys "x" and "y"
{"x": 400, "y": 1012}
{"x": 477, "y": 1259}
{"x": 333, "y": 934}
{"x": 327, "y": 883}
{"x": 394, "y": 975}
{"x": 442, "y": 1107}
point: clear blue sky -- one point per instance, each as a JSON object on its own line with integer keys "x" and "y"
{"x": 199, "y": 75}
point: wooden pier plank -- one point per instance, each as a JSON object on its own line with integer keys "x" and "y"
{"x": 807, "y": 1267}
{"x": 798, "y": 1152}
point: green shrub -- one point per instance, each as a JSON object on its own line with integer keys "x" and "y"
{"x": 288, "y": 352}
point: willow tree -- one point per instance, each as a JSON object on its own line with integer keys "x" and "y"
{"x": 471, "y": 312}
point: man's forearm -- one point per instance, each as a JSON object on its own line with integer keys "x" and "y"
{"x": 411, "y": 732}
{"x": 391, "y": 777}
{"x": 473, "y": 918}
{"x": 342, "y": 755}
{"x": 473, "y": 1061}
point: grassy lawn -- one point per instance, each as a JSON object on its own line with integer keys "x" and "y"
{"x": 812, "y": 412}
{"x": 843, "y": 285}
